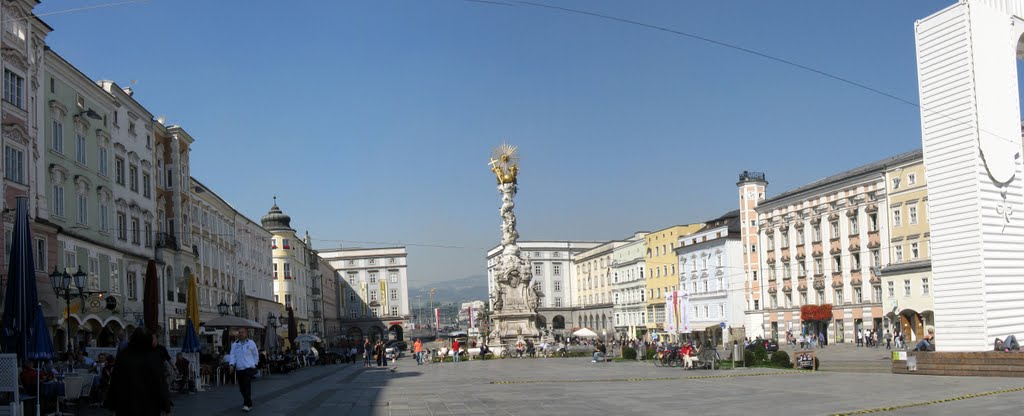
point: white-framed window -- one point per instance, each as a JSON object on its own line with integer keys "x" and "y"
{"x": 857, "y": 295}
{"x": 538, "y": 269}
{"x": 838, "y": 296}
{"x": 80, "y": 148}
{"x": 101, "y": 157}
{"x": 854, "y": 228}
{"x": 898, "y": 252}
{"x": 912, "y": 212}
{"x": 122, "y": 226}
{"x": 146, "y": 186}
{"x": 394, "y": 294}
{"x": 556, "y": 269}
{"x": 83, "y": 210}
{"x": 895, "y": 183}
{"x": 57, "y": 136}
{"x": 558, "y": 286}
{"x": 911, "y": 178}
{"x": 924, "y": 285}
{"x": 40, "y": 253}
{"x": 287, "y": 270}
{"x": 119, "y": 170}
{"x": 818, "y": 265}
{"x": 892, "y": 289}
{"x": 104, "y": 220}
{"x": 133, "y": 178}
{"x": 373, "y": 277}
{"x": 58, "y": 200}
{"x": 14, "y": 88}
{"x": 373, "y": 295}
{"x": 132, "y": 286}
{"x": 115, "y": 278}
{"x": 14, "y": 164}
{"x": 771, "y": 242}
{"x": 799, "y": 238}
{"x": 906, "y": 287}
{"x": 877, "y": 292}
{"x": 394, "y": 311}
{"x": 897, "y": 217}
{"x": 785, "y": 239}
{"x": 835, "y": 229}
{"x": 148, "y": 233}
{"x": 816, "y": 232}
{"x": 94, "y": 273}
{"x": 914, "y": 250}
{"x": 876, "y": 258}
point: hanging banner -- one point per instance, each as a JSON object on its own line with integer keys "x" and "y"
{"x": 470, "y": 316}
{"x": 677, "y": 316}
{"x": 437, "y": 318}
{"x": 671, "y": 320}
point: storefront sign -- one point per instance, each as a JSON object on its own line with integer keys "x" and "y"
{"x": 804, "y": 360}
{"x": 899, "y": 355}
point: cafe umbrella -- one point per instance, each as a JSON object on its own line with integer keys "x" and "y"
{"x": 20, "y": 303}
{"x": 151, "y": 299}
{"x": 40, "y": 345}
{"x": 293, "y": 330}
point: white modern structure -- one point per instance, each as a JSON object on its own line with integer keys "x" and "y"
{"x": 629, "y": 288}
{"x": 551, "y": 263}
{"x": 967, "y": 59}
{"x": 711, "y": 274}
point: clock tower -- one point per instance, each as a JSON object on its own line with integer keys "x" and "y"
{"x": 751, "y": 192}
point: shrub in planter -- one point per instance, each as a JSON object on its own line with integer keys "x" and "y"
{"x": 650, "y": 353}
{"x": 628, "y": 353}
{"x": 760, "y": 355}
{"x": 781, "y": 359}
{"x": 748, "y": 357}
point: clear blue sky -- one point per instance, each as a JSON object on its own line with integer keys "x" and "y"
{"x": 373, "y": 120}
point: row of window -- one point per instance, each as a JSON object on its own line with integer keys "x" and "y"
{"x": 838, "y": 298}
{"x": 371, "y": 261}
{"x": 81, "y": 156}
{"x": 837, "y": 265}
{"x": 852, "y": 223}
{"x": 897, "y": 215}
{"x": 925, "y": 287}
{"x": 374, "y": 312}
{"x": 353, "y": 277}
{"x": 556, "y": 269}
{"x": 139, "y": 236}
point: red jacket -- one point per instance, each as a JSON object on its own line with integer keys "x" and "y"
{"x": 455, "y": 345}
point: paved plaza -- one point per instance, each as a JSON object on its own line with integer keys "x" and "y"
{"x": 577, "y": 386}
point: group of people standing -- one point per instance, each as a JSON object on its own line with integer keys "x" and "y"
{"x": 374, "y": 352}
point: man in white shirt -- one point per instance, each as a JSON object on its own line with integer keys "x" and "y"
{"x": 243, "y": 360}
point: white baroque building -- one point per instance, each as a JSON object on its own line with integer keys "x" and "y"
{"x": 376, "y": 290}
{"x": 629, "y": 287}
{"x": 552, "y": 265}
{"x": 711, "y": 274}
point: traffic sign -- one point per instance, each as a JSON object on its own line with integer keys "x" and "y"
{"x": 722, "y": 325}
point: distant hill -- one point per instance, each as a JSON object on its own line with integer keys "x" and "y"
{"x": 466, "y": 289}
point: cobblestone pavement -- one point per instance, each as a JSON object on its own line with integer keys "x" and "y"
{"x": 576, "y": 386}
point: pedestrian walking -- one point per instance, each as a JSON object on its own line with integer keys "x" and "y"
{"x": 417, "y": 350}
{"x": 243, "y": 358}
{"x": 874, "y": 339}
{"x": 367, "y": 352}
{"x": 860, "y": 337}
{"x": 137, "y": 383}
{"x": 455, "y": 350}
{"x": 888, "y": 340}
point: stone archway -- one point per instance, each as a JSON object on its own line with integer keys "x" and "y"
{"x": 542, "y": 322}
{"x": 397, "y": 330}
{"x": 376, "y": 333}
{"x": 354, "y": 334}
{"x": 558, "y": 322}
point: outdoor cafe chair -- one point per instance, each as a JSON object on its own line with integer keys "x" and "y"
{"x": 9, "y": 384}
{"x": 73, "y": 385}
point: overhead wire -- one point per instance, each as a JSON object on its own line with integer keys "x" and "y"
{"x": 746, "y": 50}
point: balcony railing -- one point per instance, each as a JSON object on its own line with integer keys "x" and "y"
{"x": 166, "y": 240}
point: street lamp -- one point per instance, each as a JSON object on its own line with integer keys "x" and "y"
{"x": 235, "y": 308}
{"x": 61, "y": 283}
{"x": 302, "y": 328}
{"x": 222, "y": 308}
{"x": 272, "y": 323}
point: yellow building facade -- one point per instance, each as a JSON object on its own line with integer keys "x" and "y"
{"x": 907, "y": 280}
{"x": 662, "y": 273}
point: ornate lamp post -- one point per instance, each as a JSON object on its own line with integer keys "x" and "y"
{"x": 222, "y": 308}
{"x": 61, "y": 283}
{"x": 272, "y": 323}
{"x": 236, "y": 308}
{"x": 302, "y": 328}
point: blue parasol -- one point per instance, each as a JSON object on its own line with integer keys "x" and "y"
{"x": 190, "y": 343}
{"x": 21, "y": 301}
{"x": 40, "y": 346}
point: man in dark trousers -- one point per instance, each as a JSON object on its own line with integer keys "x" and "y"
{"x": 243, "y": 359}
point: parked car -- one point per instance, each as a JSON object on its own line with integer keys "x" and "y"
{"x": 395, "y": 348}
{"x": 770, "y": 345}
{"x": 333, "y": 355}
